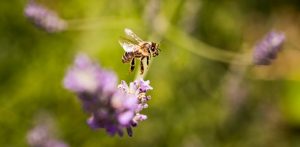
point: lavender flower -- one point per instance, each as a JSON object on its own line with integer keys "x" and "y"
{"x": 38, "y": 135}
{"x": 112, "y": 107}
{"x": 267, "y": 49}
{"x": 42, "y": 136}
{"x": 44, "y": 18}
{"x": 87, "y": 77}
{"x": 138, "y": 88}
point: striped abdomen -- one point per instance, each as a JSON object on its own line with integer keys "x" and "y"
{"x": 127, "y": 57}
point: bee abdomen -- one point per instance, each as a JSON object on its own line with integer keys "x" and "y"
{"x": 127, "y": 57}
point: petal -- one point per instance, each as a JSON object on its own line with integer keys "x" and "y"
{"x": 123, "y": 86}
{"x": 125, "y": 118}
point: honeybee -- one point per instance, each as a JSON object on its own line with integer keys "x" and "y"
{"x": 135, "y": 47}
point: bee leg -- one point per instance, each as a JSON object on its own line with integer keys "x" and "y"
{"x": 142, "y": 66}
{"x": 149, "y": 54}
{"x": 148, "y": 58}
{"x": 132, "y": 64}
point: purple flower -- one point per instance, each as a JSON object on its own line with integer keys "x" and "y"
{"x": 55, "y": 143}
{"x": 138, "y": 88}
{"x": 41, "y": 136}
{"x": 86, "y": 77}
{"x": 38, "y": 135}
{"x": 44, "y": 18}
{"x": 144, "y": 86}
{"x": 267, "y": 49}
{"x": 112, "y": 107}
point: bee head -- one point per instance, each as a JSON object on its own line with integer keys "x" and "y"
{"x": 154, "y": 49}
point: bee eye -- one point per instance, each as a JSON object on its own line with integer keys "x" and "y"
{"x": 153, "y": 48}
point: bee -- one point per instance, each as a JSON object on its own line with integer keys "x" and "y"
{"x": 135, "y": 47}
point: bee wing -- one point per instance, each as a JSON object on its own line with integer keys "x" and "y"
{"x": 129, "y": 33}
{"x": 127, "y": 45}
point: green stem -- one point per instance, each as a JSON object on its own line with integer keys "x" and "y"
{"x": 184, "y": 41}
{"x": 94, "y": 23}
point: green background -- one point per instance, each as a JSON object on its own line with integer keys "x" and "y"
{"x": 206, "y": 92}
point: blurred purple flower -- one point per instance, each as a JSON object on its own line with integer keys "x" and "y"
{"x": 267, "y": 49}
{"x": 55, "y": 143}
{"x": 85, "y": 76}
{"x": 38, "y": 135}
{"x": 112, "y": 107}
{"x": 44, "y": 18}
{"x": 41, "y": 136}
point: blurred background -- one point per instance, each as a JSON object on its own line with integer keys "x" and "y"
{"x": 206, "y": 92}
